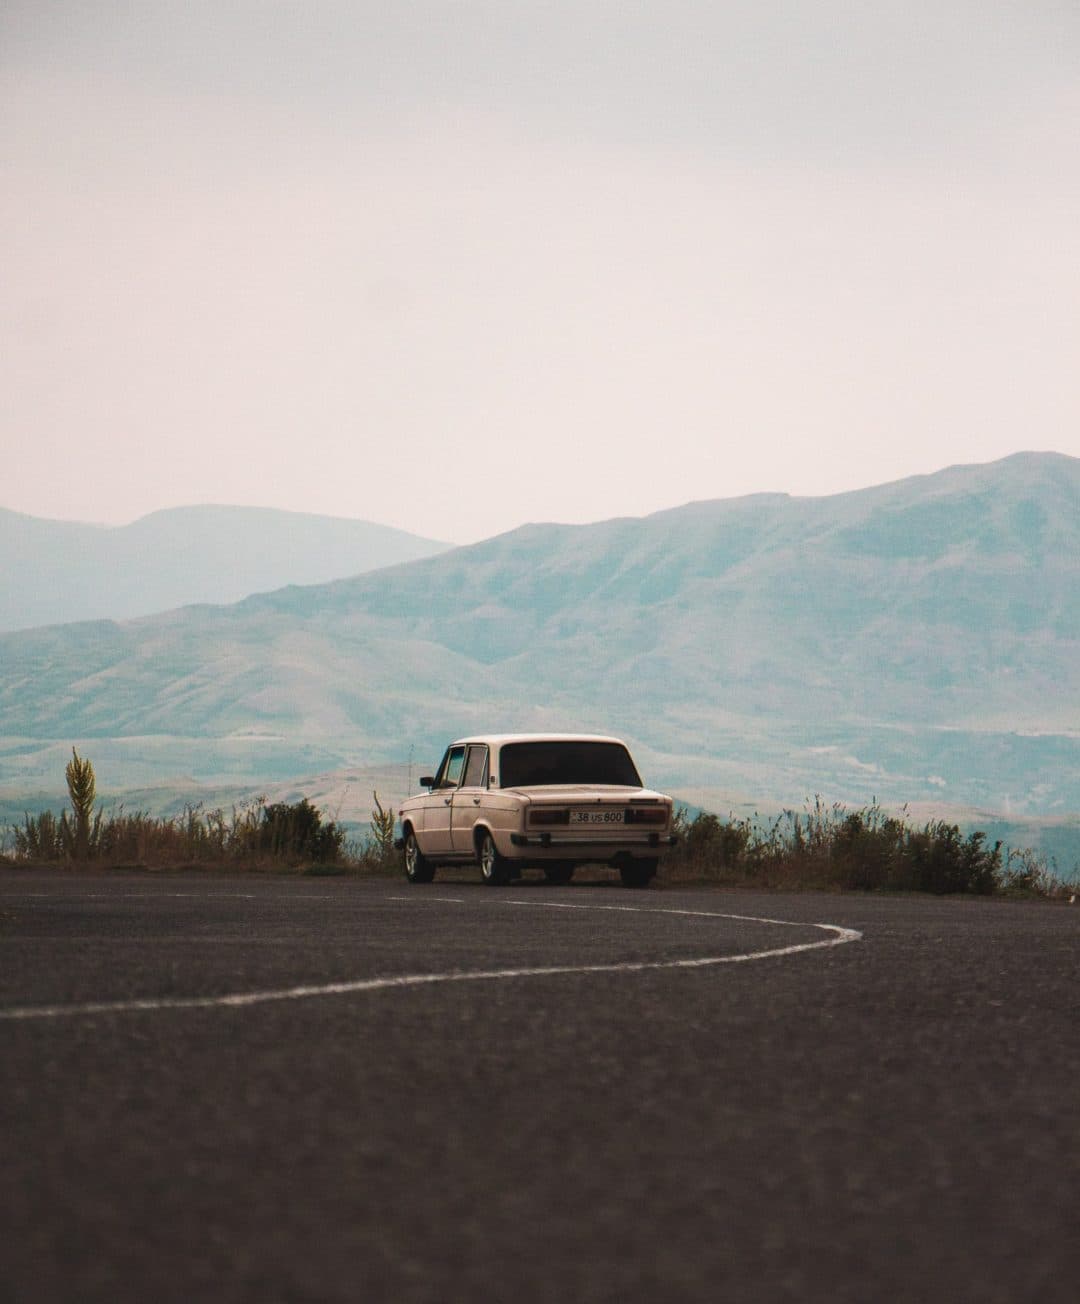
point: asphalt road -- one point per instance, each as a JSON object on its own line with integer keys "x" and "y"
{"x": 889, "y": 1117}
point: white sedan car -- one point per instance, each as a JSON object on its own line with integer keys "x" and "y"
{"x": 555, "y": 801}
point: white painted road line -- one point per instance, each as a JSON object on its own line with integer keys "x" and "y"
{"x": 130, "y": 896}
{"x": 240, "y": 1000}
{"x": 447, "y": 901}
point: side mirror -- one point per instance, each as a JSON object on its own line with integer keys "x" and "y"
{"x": 428, "y": 781}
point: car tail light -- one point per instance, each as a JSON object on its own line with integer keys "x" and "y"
{"x": 549, "y": 815}
{"x": 646, "y": 815}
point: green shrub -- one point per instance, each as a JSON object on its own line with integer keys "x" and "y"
{"x": 869, "y": 849}
{"x": 297, "y": 832}
{"x": 40, "y": 838}
{"x": 940, "y": 860}
{"x": 710, "y": 845}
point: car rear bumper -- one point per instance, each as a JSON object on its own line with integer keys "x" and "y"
{"x": 609, "y": 847}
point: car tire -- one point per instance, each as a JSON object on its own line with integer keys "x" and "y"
{"x": 418, "y": 869}
{"x": 637, "y": 873}
{"x": 493, "y": 867}
{"x": 560, "y": 875}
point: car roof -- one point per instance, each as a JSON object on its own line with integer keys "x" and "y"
{"x": 500, "y": 740}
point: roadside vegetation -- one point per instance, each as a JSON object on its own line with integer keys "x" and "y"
{"x": 832, "y": 847}
{"x": 280, "y": 835}
{"x": 821, "y": 847}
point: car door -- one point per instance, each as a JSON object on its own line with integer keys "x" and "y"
{"x": 438, "y": 809}
{"x": 466, "y": 805}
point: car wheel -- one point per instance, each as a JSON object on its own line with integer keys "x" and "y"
{"x": 637, "y": 873}
{"x": 418, "y": 869}
{"x": 559, "y": 874}
{"x": 493, "y": 867}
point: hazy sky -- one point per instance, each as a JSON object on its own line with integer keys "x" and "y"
{"x": 454, "y": 266}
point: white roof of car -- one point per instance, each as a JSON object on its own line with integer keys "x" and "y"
{"x": 499, "y": 740}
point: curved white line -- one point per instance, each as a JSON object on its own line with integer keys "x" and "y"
{"x": 239, "y": 1000}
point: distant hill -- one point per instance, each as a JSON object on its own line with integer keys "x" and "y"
{"x": 58, "y": 571}
{"x": 916, "y": 641}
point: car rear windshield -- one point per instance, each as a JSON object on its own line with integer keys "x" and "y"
{"x": 526, "y": 765}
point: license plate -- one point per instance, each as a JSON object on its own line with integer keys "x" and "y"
{"x": 596, "y": 817}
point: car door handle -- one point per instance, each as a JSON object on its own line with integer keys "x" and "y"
{"x": 446, "y": 801}
{"x": 476, "y": 801}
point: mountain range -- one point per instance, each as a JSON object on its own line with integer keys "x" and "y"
{"x": 915, "y": 642}
{"x": 63, "y": 571}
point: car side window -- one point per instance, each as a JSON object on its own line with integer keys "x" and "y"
{"x": 450, "y": 772}
{"x": 475, "y": 768}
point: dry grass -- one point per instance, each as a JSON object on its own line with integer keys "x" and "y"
{"x": 278, "y": 837}
{"x": 831, "y": 848}
{"x": 821, "y": 847}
